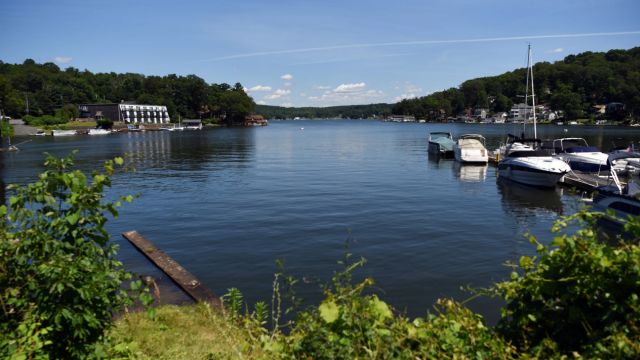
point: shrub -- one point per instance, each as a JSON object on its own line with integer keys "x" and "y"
{"x": 59, "y": 280}
{"x": 45, "y": 120}
{"x": 579, "y": 295}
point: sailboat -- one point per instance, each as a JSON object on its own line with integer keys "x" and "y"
{"x": 522, "y": 159}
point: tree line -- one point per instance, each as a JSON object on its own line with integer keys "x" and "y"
{"x": 44, "y": 89}
{"x": 574, "y": 85}
{"x": 332, "y": 112}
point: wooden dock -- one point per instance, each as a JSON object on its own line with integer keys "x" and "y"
{"x": 184, "y": 279}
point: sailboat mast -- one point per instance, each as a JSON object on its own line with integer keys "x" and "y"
{"x": 533, "y": 95}
{"x": 526, "y": 95}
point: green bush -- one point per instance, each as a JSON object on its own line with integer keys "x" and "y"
{"x": 45, "y": 120}
{"x": 579, "y": 295}
{"x": 59, "y": 280}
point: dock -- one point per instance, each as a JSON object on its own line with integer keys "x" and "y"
{"x": 186, "y": 281}
{"x": 586, "y": 181}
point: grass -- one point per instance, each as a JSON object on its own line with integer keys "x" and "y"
{"x": 182, "y": 332}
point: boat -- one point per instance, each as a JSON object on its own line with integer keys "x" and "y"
{"x": 63, "y": 132}
{"x": 525, "y": 163}
{"x": 99, "y": 132}
{"x": 624, "y": 162}
{"x": 40, "y": 132}
{"x": 134, "y": 128}
{"x": 441, "y": 144}
{"x": 522, "y": 160}
{"x": 618, "y": 203}
{"x": 470, "y": 148}
{"x": 579, "y": 155}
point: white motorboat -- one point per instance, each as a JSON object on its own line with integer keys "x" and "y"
{"x": 99, "y": 132}
{"x": 63, "y": 132}
{"x": 470, "y": 148}
{"x": 579, "y": 155}
{"x": 525, "y": 165}
{"x": 441, "y": 144}
{"x": 522, "y": 160}
{"x": 625, "y": 162}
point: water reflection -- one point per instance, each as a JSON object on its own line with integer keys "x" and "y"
{"x": 470, "y": 172}
{"x": 522, "y": 201}
{"x": 190, "y": 150}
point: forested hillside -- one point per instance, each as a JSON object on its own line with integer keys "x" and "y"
{"x": 45, "y": 88}
{"x": 348, "y": 111}
{"x": 573, "y": 85}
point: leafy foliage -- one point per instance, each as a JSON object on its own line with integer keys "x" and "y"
{"x": 578, "y": 295}
{"x": 59, "y": 280}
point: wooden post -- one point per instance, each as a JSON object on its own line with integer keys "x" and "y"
{"x": 185, "y": 280}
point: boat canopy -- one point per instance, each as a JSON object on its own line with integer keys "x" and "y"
{"x": 528, "y": 153}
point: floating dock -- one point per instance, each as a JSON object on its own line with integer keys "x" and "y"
{"x": 178, "y": 274}
{"x": 587, "y": 181}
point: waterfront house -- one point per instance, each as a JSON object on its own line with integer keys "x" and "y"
{"x": 192, "y": 124}
{"x": 480, "y": 114}
{"x": 520, "y": 113}
{"x": 125, "y": 112}
{"x": 255, "y": 120}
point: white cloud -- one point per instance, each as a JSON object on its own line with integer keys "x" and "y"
{"x": 320, "y": 87}
{"x": 278, "y": 94}
{"x": 286, "y": 77}
{"x": 557, "y": 50}
{"x": 287, "y": 84}
{"x": 409, "y": 91}
{"x": 287, "y": 104}
{"x": 62, "y": 59}
{"x": 259, "y": 88}
{"x": 348, "y": 94}
{"x": 343, "y": 88}
{"x": 261, "y": 102}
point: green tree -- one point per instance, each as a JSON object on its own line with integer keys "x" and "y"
{"x": 60, "y": 282}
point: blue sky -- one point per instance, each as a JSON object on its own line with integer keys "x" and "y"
{"x": 314, "y": 53}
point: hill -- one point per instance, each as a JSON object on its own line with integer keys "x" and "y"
{"x": 574, "y": 85}
{"x": 347, "y": 111}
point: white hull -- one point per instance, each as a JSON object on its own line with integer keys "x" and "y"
{"x": 585, "y": 161}
{"x": 470, "y": 155}
{"x": 99, "y": 132}
{"x": 63, "y": 132}
{"x": 534, "y": 171}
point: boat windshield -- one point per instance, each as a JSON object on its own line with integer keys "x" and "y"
{"x": 528, "y": 153}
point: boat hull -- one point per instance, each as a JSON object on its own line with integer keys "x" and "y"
{"x": 537, "y": 172}
{"x": 477, "y": 156}
{"x": 586, "y": 162}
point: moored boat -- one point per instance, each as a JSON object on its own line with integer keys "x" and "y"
{"x": 579, "y": 155}
{"x": 441, "y": 144}
{"x": 63, "y": 132}
{"x": 523, "y": 160}
{"x": 470, "y": 148}
{"x": 99, "y": 132}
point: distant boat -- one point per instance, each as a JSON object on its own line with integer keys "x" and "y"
{"x": 470, "y": 148}
{"x": 134, "y": 128}
{"x": 99, "y": 132}
{"x": 63, "y": 132}
{"x": 441, "y": 144}
{"x": 40, "y": 133}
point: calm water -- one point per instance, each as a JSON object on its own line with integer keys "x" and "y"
{"x": 226, "y": 203}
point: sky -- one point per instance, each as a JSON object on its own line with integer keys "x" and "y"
{"x": 314, "y": 53}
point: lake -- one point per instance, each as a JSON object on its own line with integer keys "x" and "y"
{"x": 227, "y": 202}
